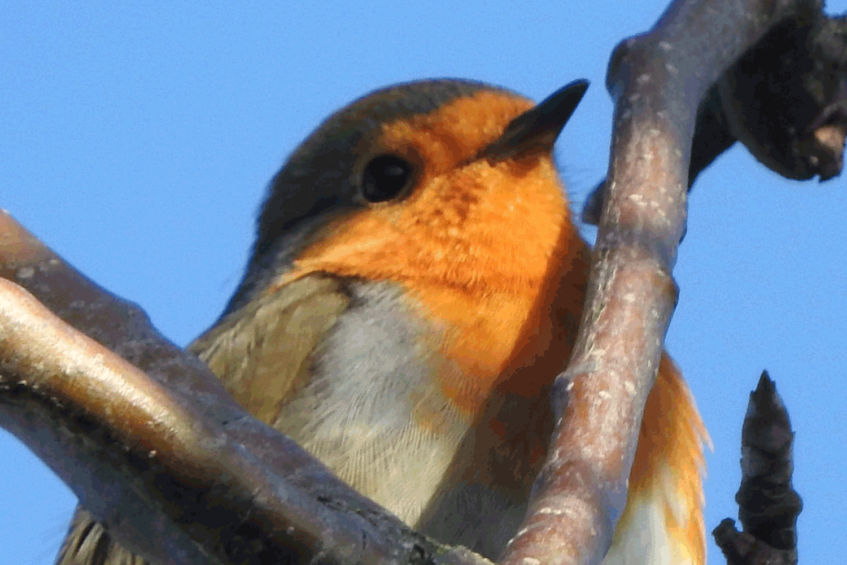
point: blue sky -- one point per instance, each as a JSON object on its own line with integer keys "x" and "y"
{"x": 137, "y": 140}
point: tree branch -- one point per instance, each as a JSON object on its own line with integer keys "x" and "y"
{"x": 658, "y": 81}
{"x": 785, "y": 100}
{"x": 167, "y": 458}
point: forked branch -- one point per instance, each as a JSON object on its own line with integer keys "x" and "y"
{"x": 658, "y": 80}
{"x": 183, "y": 475}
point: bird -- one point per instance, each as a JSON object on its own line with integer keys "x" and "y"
{"x": 416, "y": 284}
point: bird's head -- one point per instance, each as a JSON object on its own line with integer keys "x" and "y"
{"x": 448, "y": 180}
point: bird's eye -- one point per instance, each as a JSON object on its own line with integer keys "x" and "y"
{"x": 385, "y": 178}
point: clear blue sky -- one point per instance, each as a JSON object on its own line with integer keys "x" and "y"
{"x": 137, "y": 140}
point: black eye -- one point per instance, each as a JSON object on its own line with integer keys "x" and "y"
{"x": 385, "y": 177}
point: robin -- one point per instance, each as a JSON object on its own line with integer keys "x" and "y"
{"x": 415, "y": 286}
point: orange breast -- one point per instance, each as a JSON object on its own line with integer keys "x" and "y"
{"x": 487, "y": 256}
{"x": 482, "y": 248}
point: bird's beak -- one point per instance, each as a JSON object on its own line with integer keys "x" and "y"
{"x": 538, "y": 128}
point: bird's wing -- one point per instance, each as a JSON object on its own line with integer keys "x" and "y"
{"x": 89, "y": 543}
{"x": 262, "y": 351}
{"x": 262, "y": 354}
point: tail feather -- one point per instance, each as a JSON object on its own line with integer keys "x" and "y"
{"x": 89, "y": 543}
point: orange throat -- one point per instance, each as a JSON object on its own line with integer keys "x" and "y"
{"x": 489, "y": 257}
{"x": 485, "y": 251}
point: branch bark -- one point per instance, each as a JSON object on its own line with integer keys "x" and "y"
{"x": 658, "y": 80}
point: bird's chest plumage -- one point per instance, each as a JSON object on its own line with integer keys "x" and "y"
{"x": 370, "y": 375}
{"x": 420, "y": 391}
{"x": 428, "y": 394}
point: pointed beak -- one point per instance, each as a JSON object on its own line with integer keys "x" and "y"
{"x": 538, "y": 128}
